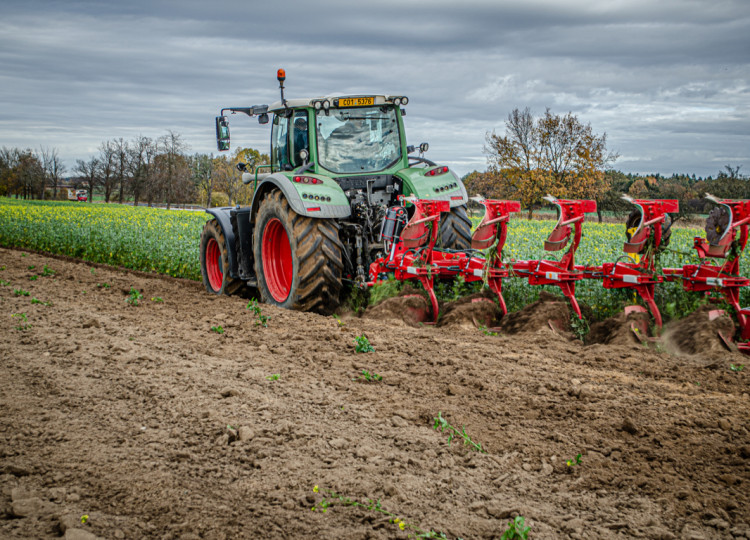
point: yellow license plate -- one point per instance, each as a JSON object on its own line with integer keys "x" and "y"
{"x": 356, "y": 102}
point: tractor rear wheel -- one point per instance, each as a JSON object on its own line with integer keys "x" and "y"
{"x": 298, "y": 259}
{"x": 215, "y": 261}
{"x": 455, "y": 230}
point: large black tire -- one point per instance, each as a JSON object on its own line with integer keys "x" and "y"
{"x": 634, "y": 220}
{"x": 215, "y": 261}
{"x": 305, "y": 274}
{"x": 455, "y": 230}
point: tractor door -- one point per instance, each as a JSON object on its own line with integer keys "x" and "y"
{"x": 300, "y": 138}
{"x": 280, "y": 144}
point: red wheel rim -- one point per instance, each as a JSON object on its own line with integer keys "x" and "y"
{"x": 214, "y": 268}
{"x": 278, "y": 267}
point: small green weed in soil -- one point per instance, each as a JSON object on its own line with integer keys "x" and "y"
{"x": 47, "y": 271}
{"x": 24, "y": 319}
{"x": 362, "y": 344}
{"x": 737, "y": 368}
{"x": 4, "y": 283}
{"x": 260, "y": 319}
{"x": 134, "y": 296}
{"x": 217, "y": 329}
{"x": 31, "y": 267}
{"x": 443, "y": 425}
{"x": 33, "y": 278}
{"x": 21, "y": 292}
{"x": 574, "y": 462}
{"x": 157, "y": 299}
{"x": 103, "y": 285}
{"x": 369, "y": 377}
{"x": 274, "y": 377}
{"x": 37, "y": 301}
{"x": 516, "y": 530}
{"x": 332, "y": 499}
{"x": 486, "y": 331}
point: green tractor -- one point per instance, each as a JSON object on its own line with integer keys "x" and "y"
{"x": 338, "y": 166}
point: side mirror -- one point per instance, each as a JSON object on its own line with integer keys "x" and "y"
{"x": 222, "y": 133}
{"x": 263, "y": 118}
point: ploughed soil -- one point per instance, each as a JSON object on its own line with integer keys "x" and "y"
{"x": 143, "y": 422}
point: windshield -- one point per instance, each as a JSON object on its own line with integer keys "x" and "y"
{"x": 358, "y": 140}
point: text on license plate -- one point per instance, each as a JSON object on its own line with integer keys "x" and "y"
{"x": 356, "y": 102}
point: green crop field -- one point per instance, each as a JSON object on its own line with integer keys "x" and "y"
{"x": 167, "y": 242}
{"x": 149, "y": 239}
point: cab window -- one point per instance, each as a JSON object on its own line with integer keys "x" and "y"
{"x": 280, "y": 144}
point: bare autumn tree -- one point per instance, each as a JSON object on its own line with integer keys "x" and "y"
{"x": 551, "y": 154}
{"x": 173, "y": 172}
{"x": 142, "y": 151}
{"x": 53, "y": 168}
{"x": 88, "y": 172}
{"x": 121, "y": 155}
{"x": 107, "y": 169}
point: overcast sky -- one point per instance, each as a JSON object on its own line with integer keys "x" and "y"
{"x": 667, "y": 80}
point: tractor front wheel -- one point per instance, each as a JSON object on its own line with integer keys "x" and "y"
{"x": 298, "y": 260}
{"x": 455, "y": 230}
{"x": 215, "y": 261}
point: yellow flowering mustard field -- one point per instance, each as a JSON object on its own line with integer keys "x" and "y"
{"x": 148, "y": 239}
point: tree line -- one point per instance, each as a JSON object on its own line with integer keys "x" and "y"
{"x": 141, "y": 170}
{"x": 561, "y": 156}
{"x": 536, "y": 155}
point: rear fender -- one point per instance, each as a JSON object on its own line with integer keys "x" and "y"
{"x": 338, "y": 207}
{"x": 222, "y": 216}
{"x": 434, "y": 188}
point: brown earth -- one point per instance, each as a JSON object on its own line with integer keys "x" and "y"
{"x": 122, "y": 413}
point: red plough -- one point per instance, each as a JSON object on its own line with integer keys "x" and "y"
{"x": 490, "y": 234}
{"x": 412, "y": 253}
{"x": 411, "y": 247}
{"x": 561, "y": 273}
{"x": 721, "y": 242}
{"x": 642, "y": 245}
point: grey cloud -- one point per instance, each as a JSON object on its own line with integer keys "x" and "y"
{"x": 662, "y": 79}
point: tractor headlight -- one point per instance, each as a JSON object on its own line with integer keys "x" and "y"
{"x": 397, "y": 102}
{"x": 318, "y": 105}
{"x": 326, "y": 104}
{"x": 404, "y": 100}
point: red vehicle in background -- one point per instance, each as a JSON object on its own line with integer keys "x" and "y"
{"x": 82, "y": 195}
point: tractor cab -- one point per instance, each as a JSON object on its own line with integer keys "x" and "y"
{"x": 333, "y": 136}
